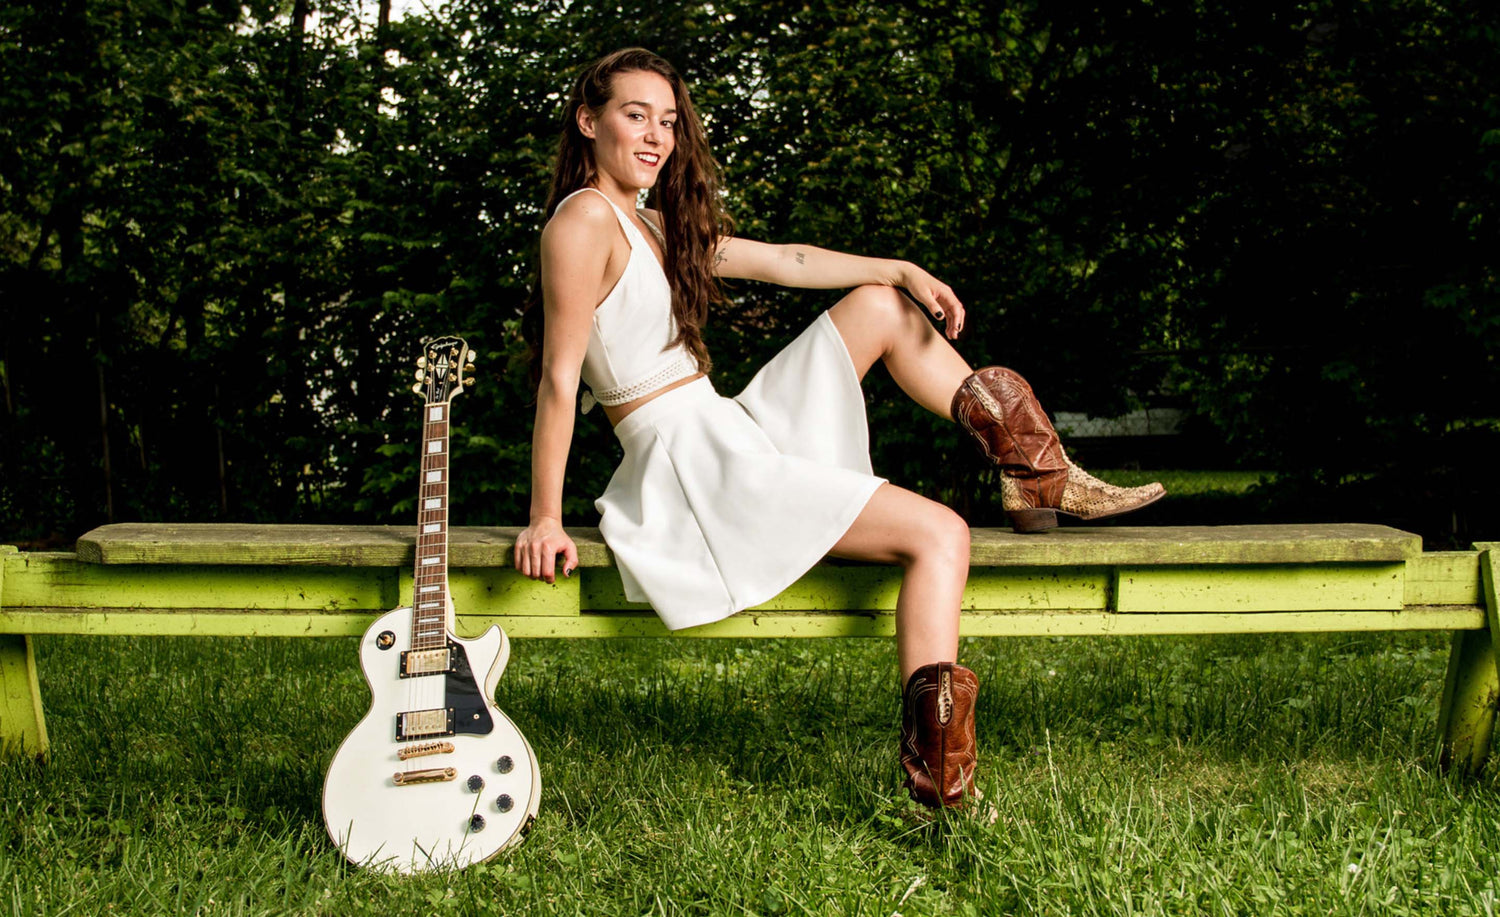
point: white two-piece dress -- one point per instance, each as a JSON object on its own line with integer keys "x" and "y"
{"x": 721, "y": 503}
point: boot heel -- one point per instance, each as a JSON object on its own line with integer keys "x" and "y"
{"x": 1030, "y": 521}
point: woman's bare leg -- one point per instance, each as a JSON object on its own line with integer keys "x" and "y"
{"x": 931, "y": 543}
{"x": 929, "y": 540}
{"x": 881, "y": 323}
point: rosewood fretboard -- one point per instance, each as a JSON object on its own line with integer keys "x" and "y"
{"x": 430, "y": 584}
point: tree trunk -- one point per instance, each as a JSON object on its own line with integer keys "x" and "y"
{"x": 109, "y": 481}
{"x": 219, "y": 444}
{"x": 292, "y": 90}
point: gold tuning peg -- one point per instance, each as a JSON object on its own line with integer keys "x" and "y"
{"x": 422, "y": 360}
{"x": 421, "y": 375}
{"x": 469, "y": 368}
{"x": 469, "y": 381}
{"x": 417, "y": 388}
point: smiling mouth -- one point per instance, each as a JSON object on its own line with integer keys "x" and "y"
{"x": 649, "y": 159}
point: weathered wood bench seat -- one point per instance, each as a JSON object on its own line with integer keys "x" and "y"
{"x": 305, "y": 580}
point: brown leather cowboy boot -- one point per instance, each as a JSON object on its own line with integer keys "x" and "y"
{"x": 1038, "y": 480}
{"x": 937, "y": 734}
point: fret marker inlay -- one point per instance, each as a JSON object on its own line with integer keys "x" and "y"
{"x": 431, "y": 527}
{"x": 432, "y": 503}
{"x": 436, "y": 413}
{"x": 435, "y": 446}
{"x": 434, "y": 476}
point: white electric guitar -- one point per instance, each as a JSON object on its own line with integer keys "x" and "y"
{"x": 434, "y": 776}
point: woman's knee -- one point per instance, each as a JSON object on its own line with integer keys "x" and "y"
{"x": 941, "y": 536}
{"x": 879, "y": 301}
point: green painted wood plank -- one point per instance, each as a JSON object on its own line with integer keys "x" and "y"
{"x": 1261, "y": 587}
{"x": 501, "y": 589}
{"x": 874, "y": 588}
{"x": 60, "y": 580}
{"x": 235, "y": 623}
{"x": 308, "y": 545}
{"x": 167, "y": 543}
{"x": 1443, "y": 578}
{"x": 1201, "y": 544}
{"x": 184, "y": 622}
{"x": 1007, "y": 624}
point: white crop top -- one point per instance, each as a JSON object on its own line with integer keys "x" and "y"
{"x": 625, "y": 358}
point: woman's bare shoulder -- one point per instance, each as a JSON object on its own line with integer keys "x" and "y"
{"x": 580, "y": 218}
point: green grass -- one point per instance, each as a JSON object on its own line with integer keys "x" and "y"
{"x": 1229, "y": 775}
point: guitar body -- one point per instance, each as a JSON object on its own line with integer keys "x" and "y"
{"x": 468, "y": 786}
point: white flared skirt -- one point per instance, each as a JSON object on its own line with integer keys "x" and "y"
{"x": 721, "y": 503}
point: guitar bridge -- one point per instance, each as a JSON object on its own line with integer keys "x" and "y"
{"x": 415, "y": 663}
{"x": 426, "y": 748}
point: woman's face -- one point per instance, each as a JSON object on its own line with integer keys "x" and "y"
{"x": 634, "y": 134}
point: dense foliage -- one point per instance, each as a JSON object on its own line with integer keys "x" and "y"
{"x": 224, "y": 228}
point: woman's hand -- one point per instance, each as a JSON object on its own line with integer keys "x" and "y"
{"x": 537, "y": 548}
{"x": 934, "y": 295}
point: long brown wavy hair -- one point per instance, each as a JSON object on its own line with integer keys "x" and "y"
{"x": 686, "y": 195}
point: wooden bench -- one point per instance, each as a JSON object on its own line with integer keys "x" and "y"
{"x": 315, "y": 581}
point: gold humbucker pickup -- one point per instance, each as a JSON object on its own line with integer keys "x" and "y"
{"x": 426, "y": 748}
{"x": 435, "y": 775}
{"x": 426, "y": 662}
{"x": 424, "y": 724}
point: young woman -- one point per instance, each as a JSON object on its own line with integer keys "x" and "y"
{"x": 719, "y": 503}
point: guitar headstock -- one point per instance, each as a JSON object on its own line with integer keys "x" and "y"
{"x": 445, "y": 369}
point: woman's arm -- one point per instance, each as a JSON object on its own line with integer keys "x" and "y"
{"x": 810, "y": 267}
{"x": 575, "y": 252}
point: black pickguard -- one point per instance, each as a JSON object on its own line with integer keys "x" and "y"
{"x": 471, "y": 713}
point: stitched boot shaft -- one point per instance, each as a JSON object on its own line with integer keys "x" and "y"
{"x": 937, "y": 734}
{"x": 1037, "y": 479}
{"x": 998, "y": 407}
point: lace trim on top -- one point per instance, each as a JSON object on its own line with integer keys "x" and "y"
{"x": 680, "y": 368}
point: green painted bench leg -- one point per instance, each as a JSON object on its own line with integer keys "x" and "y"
{"x": 1471, "y": 691}
{"x": 1466, "y": 720}
{"x": 22, "y": 728}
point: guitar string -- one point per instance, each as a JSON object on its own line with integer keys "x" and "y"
{"x": 422, "y": 690}
{"x": 418, "y": 687}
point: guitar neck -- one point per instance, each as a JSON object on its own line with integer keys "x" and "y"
{"x": 430, "y": 582}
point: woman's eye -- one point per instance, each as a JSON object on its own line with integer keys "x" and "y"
{"x": 635, "y": 114}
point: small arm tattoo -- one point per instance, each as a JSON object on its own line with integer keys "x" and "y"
{"x": 719, "y": 257}
{"x": 801, "y": 258}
